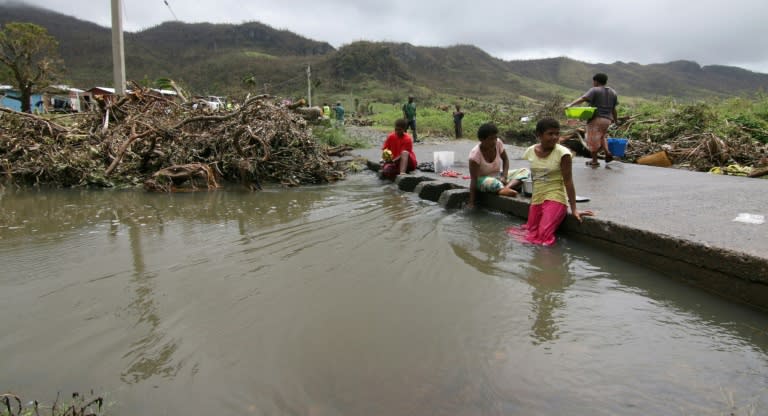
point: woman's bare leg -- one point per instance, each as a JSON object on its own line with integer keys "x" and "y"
{"x": 404, "y": 158}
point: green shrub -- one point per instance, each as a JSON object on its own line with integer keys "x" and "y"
{"x": 661, "y": 121}
{"x": 332, "y": 137}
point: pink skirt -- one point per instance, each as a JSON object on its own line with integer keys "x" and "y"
{"x": 543, "y": 221}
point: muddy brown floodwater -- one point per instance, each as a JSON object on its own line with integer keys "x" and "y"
{"x": 349, "y": 299}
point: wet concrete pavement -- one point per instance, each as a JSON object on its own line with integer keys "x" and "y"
{"x": 676, "y": 221}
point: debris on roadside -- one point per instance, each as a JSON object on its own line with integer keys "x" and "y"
{"x": 145, "y": 138}
{"x": 690, "y": 137}
{"x": 362, "y": 122}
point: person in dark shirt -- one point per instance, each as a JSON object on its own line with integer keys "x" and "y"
{"x": 458, "y": 115}
{"x": 339, "y": 110}
{"x": 606, "y": 100}
{"x": 409, "y": 114}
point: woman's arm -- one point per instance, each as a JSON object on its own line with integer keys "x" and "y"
{"x": 505, "y": 166}
{"x": 565, "y": 168}
{"x": 474, "y": 170}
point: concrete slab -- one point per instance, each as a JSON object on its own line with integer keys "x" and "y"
{"x": 677, "y": 221}
{"x": 431, "y": 190}
{"x": 454, "y": 198}
{"x": 409, "y": 183}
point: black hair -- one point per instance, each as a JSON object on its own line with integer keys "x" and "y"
{"x": 486, "y": 130}
{"x": 600, "y": 78}
{"x": 545, "y": 124}
{"x": 400, "y": 122}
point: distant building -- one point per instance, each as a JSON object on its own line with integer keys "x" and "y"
{"x": 63, "y": 98}
{"x": 4, "y": 89}
{"x": 66, "y": 98}
{"x": 51, "y": 99}
{"x": 6, "y": 100}
{"x": 108, "y": 94}
{"x": 103, "y": 93}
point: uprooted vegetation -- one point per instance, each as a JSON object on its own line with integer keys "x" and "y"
{"x": 145, "y": 138}
{"x": 701, "y": 136}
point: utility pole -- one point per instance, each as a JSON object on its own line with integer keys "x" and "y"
{"x": 309, "y": 86}
{"x": 118, "y": 50}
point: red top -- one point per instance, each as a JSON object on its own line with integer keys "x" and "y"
{"x": 397, "y": 144}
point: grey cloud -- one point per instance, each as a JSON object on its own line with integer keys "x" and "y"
{"x": 647, "y": 31}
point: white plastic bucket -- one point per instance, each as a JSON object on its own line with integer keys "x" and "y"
{"x": 443, "y": 161}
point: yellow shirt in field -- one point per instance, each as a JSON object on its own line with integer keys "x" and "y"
{"x": 547, "y": 176}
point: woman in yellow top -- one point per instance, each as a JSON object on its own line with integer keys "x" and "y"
{"x": 553, "y": 189}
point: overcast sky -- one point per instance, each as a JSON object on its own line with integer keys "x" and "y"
{"x": 730, "y": 32}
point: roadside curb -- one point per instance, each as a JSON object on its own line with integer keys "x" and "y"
{"x": 731, "y": 274}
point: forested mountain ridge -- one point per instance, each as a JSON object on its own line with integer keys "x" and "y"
{"x": 196, "y": 53}
{"x": 683, "y": 79}
{"x": 217, "y": 58}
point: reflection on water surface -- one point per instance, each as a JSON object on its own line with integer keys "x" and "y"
{"x": 349, "y": 299}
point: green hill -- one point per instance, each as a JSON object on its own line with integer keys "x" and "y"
{"x": 208, "y": 58}
{"x": 216, "y": 58}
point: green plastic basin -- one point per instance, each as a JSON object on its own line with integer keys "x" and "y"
{"x": 580, "y": 113}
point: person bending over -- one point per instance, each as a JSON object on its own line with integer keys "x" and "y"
{"x": 606, "y": 100}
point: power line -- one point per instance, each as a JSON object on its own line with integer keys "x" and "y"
{"x": 281, "y": 83}
{"x": 170, "y": 9}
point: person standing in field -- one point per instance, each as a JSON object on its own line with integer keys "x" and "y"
{"x": 606, "y": 100}
{"x": 339, "y": 115}
{"x": 409, "y": 114}
{"x": 326, "y": 111}
{"x": 458, "y": 116}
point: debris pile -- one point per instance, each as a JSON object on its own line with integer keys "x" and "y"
{"x": 359, "y": 121}
{"x": 147, "y": 138}
{"x": 704, "y": 151}
{"x": 36, "y": 150}
{"x": 692, "y": 136}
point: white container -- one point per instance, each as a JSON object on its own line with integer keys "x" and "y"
{"x": 443, "y": 161}
{"x": 527, "y": 187}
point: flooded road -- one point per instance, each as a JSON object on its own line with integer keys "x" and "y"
{"x": 349, "y": 299}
